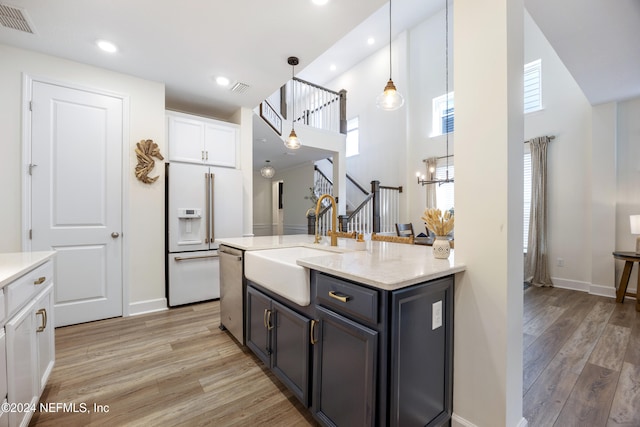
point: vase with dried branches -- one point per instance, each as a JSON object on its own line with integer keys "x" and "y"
{"x": 441, "y": 225}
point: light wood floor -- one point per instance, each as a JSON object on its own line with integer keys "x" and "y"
{"x": 581, "y": 368}
{"x": 169, "y": 368}
{"x": 581, "y": 360}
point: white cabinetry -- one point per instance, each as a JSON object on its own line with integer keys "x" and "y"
{"x": 27, "y": 343}
{"x": 194, "y": 139}
{"x": 21, "y": 364}
{"x": 45, "y": 338}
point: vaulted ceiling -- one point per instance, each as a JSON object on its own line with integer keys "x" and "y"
{"x": 188, "y": 44}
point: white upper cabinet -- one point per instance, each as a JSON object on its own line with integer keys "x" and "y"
{"x": 194, "y": 139}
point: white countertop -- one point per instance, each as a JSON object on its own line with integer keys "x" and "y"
{"x": 382, "y": 265}
{"x": 15, "y": 264}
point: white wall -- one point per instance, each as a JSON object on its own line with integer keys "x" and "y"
{"x": 145, "y": 233}
{"x": 567, "y": 115}
{"x": 262, "y": 206}
{"x": 383, "y": 134}
{"x": 295, "y": 196}
{"x": 628, "y": 180}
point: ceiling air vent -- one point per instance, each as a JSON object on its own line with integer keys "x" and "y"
{"x": 239, "y": 88}
{"x": 12, "y": 17}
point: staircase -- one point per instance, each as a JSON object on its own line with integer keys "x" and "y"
{"x": 378, "y": 212}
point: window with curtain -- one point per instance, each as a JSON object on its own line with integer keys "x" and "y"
{"x": 527, "y": 195}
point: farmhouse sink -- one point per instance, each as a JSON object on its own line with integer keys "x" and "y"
{"x": 276, "y": 270}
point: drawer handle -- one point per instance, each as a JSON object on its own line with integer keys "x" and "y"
{"x": 40, "y": 280}
{"x": 269, "y": 324}
{"x": 43, "y": 312}
{"x": 339, "y": 297}
{"x": 312, "y": 331}
{"x": 264, "y": 317}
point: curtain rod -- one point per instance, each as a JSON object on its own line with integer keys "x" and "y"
{"x": 438, "y": 158}
{"x": 550, "y": 137}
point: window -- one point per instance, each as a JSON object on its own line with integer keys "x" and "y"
{"x": 442, "y": 116}
{"x": 353, "y": 135}
{"x": 444, "y": 192}
{"x": 533, "y": 86}
{"x": 527, "y": 196}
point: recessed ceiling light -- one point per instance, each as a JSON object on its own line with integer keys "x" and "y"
{"x": 332, "y": 67}
{"x": 371, "y": 41}
{"x": 222, "y": 81}
{"x": 320, "y": 2}
{"x": 107, "y": 46}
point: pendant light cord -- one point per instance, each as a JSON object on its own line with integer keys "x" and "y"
{"x": 293, "y": 94}
{"x": 389, "y": 39}
{"x": 446, "y": 55}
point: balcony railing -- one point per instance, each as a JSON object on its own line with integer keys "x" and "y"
{"x": 316, "y": 106}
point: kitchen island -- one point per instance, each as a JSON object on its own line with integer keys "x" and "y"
{"x": 373, "y": 342}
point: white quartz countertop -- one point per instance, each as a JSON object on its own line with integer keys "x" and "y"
{"x": 382, "y": 265}
{"x": 15, "y": 264}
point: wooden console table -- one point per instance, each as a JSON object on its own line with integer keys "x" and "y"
{"x": 629, "y": 258}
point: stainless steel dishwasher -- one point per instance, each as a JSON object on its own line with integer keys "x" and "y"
{"x": 231, "y": 291}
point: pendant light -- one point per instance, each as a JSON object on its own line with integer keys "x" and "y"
{"x": 293, "y": 142}
{"x": 390, "y": 99}
{"x": 267, "y": 171}
{"x": 447, "y": 179}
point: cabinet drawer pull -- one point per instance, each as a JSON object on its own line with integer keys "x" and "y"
{"x": 43, "y": 312}
{"x": 264, "y": 317}
{"x": 339, "y": 297}
{"x": 269, "y": 324}
{"x": 40, "y": 280}
{"x": 312, "y": 331}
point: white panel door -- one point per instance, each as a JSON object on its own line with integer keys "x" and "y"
{"x": 76, "y": 191}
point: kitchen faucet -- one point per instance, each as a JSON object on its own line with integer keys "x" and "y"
{"x": 334, "y": 219}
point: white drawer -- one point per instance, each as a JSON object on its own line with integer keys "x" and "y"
{"x": 26, "y": 287}
{"x": 3, "y": 309}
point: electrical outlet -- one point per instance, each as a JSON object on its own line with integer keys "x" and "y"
{"x": 560, "y": 262}
{"x": 436, "y": 315}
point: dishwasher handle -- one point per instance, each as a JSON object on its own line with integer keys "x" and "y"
{"x": 230, "y": 255}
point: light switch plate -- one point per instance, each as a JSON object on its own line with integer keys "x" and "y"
{"x": 436, "y": 318}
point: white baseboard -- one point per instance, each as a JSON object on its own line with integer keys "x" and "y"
{"x": 262, "y": 229}
{"x": 458, "y": 421}
{"x": 590, "y": 288}
{"x": 574, "y": 285}
{"x": 148, "y": 306}
{"x": 295, "y": 229}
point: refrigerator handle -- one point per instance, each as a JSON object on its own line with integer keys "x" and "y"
{"x": 212, "y": 205}
{"x": 206, "y": 214}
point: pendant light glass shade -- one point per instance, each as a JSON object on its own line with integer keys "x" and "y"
{"x": 293, "y": 142}
{"x": 267, "y": 171}
{"x": 390, "y": 99}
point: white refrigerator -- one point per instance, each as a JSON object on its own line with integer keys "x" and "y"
{"x": 202, "y": 203}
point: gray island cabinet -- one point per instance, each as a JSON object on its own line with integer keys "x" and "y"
{"x": 360, "y": 355}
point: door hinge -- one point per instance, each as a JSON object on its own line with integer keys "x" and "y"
{"x": 30, "y": 234}
{"x": 30, "y": 105}
{"x": 31, "y": 166}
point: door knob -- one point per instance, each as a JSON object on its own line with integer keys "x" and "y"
{"x": 115, "y": 234}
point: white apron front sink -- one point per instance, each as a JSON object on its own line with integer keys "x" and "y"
{"x": 276, "y": 270}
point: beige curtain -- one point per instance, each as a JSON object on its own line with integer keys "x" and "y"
{"x": 432, "y": 164}
{"x": 536, "y": 269}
